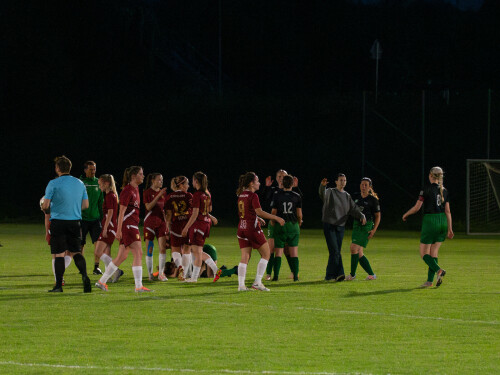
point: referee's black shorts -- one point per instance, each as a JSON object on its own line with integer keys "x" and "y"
{"x": 92, "y": 227}
{"x": 65, "y": 235}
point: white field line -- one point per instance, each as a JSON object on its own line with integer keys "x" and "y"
{"x": 404, "y": 316}
{"x": 176, "y": 370}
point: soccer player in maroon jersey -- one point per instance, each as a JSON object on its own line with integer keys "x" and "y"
{"x": 109, "y": 222}
{"x": 128, "y": 229}
{"x": 198, "y": 227}
{"x": 154, "y": 223}
{"x": 178, "y": 211}
{"x": 250, "y": 234}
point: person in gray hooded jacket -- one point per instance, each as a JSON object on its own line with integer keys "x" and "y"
{"x": 337, "y": 207}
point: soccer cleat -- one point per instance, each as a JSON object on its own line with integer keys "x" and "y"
{"x": 155, "y": 274}
{"x": 427, "y": 284}
{"x": 180, "y": 275}
{"x": 275, "y": 278}
{"x": 97, "y": 271}
{"x": 371, "y": 277}
{"x": 56, "y": 289}
{"x": 190, "y": 280}
{"x": 116, "y": 276}
{"x": 142, "y": 289}
{"x": 268, "y": 277}
{"x": 439, "y": 279}
{"x": 350, "y": 277}
{"x": 243, "y": 289}
{"x": 162, "y": 277}
{"x": 340, "y": 278}
{"x": 150, "y": 277}
{"x": 102, "y": 286}
{"x": 87, "y": 288}
{"x": 260, "y": 287}
{"x": 217, "y": 275}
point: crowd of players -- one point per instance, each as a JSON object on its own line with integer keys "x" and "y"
{"x": 182, "y": 220}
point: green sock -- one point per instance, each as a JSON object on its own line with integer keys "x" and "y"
{"x": 431, "y": 273}
{"x": 363, "y": 262}
{"x": 354, "y": 263}
{"x": 277, "y": 266}
{"x": 431, "y": 262}
{"x": 229, "y": 272}
{"x": 295, "y": 269}
{"x": 269, "y": 268}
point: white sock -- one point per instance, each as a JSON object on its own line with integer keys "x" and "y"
{"x": 210, "y": 262}
{"x": 162, "y": 258}
{"x": 67, "y": 261}
{"x": 196, "y": 273}
{"x": 242, "y": 273}
{"x": 261, "y": 268}
{"x": 53, "y": 267}
{"x": 149, "y": 264}
{"x": 186, "y": 259}
{"x": 137, "y": 271}
{"x": 110, "y": 270}
{"x": 177, "y": 259}
{"x": 106, "y": 259}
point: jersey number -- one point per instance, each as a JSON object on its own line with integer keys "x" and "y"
{"x": 180, "y": 208}
{"x": 290, "y": 205}
{"x": 206, "y": 202}
{"x": 439, "y": 201}
{"x": 241, "y": 209}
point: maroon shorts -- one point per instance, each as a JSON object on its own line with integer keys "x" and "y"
{"x": 253, "y": 238}
{"x": 154, "y": 227}
{"x": 130, "y": 234}
{"x": 176, "y": 239}
{"x": 110, "y": 236}
{"x": 198, "y": 232}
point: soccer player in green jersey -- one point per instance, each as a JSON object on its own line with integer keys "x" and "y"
{"x": 287, "y": 204}
{"x": 367, "y": 200}
{"x": 436, "y": 224}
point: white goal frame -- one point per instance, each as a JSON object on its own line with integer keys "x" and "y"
{"x": 468, "y": 196}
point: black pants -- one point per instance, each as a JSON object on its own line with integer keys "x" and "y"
{"x": 334, "y": 234}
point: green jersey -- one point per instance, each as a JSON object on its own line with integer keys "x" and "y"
{"x": 94, "y": 212}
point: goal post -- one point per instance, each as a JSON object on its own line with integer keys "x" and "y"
{"x": 483, "y": 196}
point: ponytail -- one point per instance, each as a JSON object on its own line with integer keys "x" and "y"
{"x": 149, "y": 179}
{"x": 111, "y": 180}
{"x": 245, "y": 181}
{"x": 438, "y": 174}
{"x": 202, "y": 180}
{"x": 128, "y": 173}
{"x": 177, "y": 181}
{"x": 371, "y": 191}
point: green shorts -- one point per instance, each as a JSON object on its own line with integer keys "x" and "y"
{"x": 287, "y": 234}
{"x": 270, "y": 230}
{"x": 434, "y": 228}
{"x": 360, "y": 233}
{"x": 210, "y": 250}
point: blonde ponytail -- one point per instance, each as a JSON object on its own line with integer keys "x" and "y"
{"x": 438, "y": 174}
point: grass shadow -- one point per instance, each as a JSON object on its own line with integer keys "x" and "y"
{"x": 352, "y": 294}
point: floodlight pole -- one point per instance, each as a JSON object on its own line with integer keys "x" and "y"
{"x": 220, "y": 48}
{"x": 423, "y": 137}
{"x": 489, "y": 125}
{"x": 363, "y": 136}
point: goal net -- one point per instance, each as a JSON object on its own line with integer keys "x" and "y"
{"x": 483, "y": 196}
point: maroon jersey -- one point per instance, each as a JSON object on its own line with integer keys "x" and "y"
{"x": 130, "y": 198}
{"x": 179, "y": 202}
{"x": 247, "y": 203}
{"x": 157, "y": 211}
{"x": 110, "y": 203}
{"x": 203, "y": 201}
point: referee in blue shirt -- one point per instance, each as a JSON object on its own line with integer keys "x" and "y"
{"x": 66, "y": 197}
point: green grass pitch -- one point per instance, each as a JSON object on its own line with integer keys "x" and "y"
{"x": 387, "y": 326}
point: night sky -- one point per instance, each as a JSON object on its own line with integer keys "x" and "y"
{"x": 137, "y": 83}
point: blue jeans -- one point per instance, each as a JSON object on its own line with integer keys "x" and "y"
{"x": 334, "y": 234}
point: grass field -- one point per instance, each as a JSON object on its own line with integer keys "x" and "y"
{"x": 387, "y": 326}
